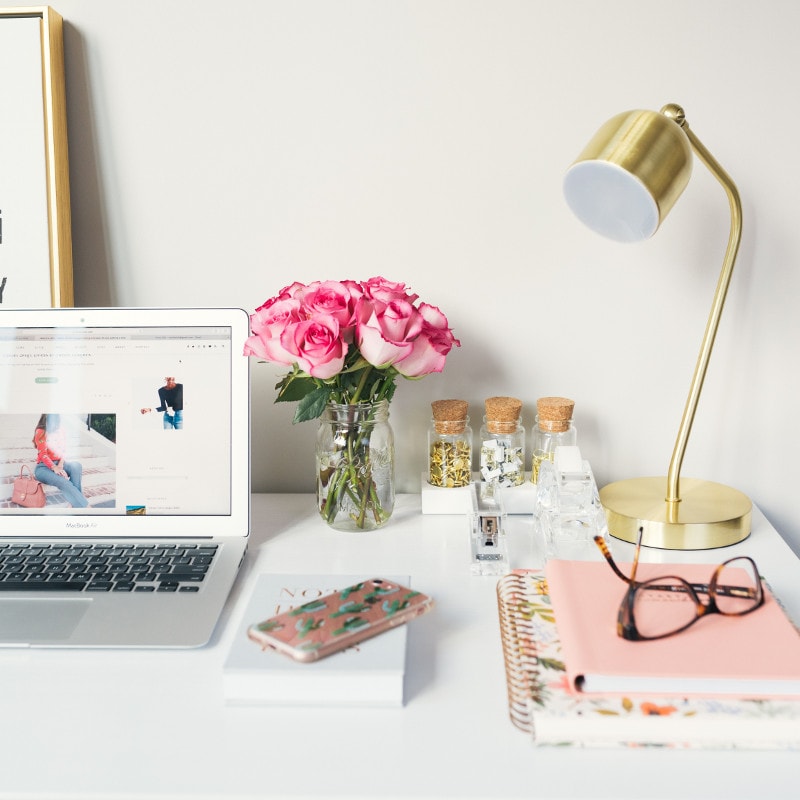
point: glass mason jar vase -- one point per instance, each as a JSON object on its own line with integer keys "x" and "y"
{"x": 355, "y": 466}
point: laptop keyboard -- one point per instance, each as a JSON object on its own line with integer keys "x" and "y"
{"x": 104, "y": 567}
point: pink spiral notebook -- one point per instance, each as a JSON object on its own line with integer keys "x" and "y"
{"x": 756, "y": 655}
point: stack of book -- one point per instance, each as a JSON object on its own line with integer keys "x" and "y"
{"x": 723, "y": 683}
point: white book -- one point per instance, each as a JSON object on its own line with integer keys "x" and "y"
{"x": 368, "y": 674}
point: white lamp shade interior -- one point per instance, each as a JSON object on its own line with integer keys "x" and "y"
{"x": 611, "y": 201}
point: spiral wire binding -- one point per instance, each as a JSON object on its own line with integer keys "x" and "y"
{"x": 519, "y": 645}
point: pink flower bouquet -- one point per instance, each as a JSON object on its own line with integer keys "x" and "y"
{"x": 346, "y": 343}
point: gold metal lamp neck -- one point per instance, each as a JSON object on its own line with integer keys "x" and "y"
{"x": 704, "y": 356}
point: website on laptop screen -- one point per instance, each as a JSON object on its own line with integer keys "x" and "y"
{"x": 116, "y": 421}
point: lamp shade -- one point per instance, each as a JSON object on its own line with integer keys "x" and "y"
{"x": 628, "y": 177}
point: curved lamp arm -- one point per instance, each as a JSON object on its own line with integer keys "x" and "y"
{"x": 676, "y": 113}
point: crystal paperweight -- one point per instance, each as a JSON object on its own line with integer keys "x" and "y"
{"x": 567, "y": 512}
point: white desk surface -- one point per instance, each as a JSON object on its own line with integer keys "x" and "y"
{"x": 152, "y": 724}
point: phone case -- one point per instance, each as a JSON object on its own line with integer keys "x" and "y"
{"x": 339, "y": 620}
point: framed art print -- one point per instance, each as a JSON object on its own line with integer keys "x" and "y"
{"x": 35, "y": 221}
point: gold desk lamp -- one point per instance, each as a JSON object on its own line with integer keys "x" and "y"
{"x": 623, "y": 185}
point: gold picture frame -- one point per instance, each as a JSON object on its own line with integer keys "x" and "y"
{"x": 35, "y": 216}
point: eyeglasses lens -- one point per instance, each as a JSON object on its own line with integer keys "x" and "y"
{"x": 662, "y": 606}
{"x": 738, "y": 587}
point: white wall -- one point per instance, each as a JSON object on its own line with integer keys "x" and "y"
{"x": 220, "y": 151}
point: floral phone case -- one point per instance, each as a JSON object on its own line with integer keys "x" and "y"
{"x": 339, "y": 620}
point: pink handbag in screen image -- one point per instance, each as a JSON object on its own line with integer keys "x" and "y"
{"x": 27, "y": 491}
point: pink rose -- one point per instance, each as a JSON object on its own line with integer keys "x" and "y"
{"x": 429, "y": 350}
{"x": 385, "y": 331}
{"x": 315, "y": 345}
{"x": 290, "y": 291}
{"x": 267, "y": 324}
{"x": 329, "y": 297}
{"x": 385, "y": 291}
{"x": 355, "y": 288}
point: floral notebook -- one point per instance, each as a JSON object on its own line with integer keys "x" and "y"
{"x": 542, "y": 703}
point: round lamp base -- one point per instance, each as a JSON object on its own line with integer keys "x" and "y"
{"x": 708, "y": 514}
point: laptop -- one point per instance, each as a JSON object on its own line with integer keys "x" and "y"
{"x": 134, "y": 426}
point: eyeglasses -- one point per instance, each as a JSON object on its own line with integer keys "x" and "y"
{"x": 660, "y": 607}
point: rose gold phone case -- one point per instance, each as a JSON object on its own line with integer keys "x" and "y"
{"x": 341, "y": 619}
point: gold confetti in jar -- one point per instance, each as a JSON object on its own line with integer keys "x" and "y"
{"x": 502, "y": 445}
{"x": 450, "y": 445}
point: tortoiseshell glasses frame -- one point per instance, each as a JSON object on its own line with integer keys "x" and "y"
{"x": 732, "y": 601}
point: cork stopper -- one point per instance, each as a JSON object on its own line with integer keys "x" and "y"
{"x": 449, "y": 416}
{"x": 502, "y": 413}
{"x": 555, "y": 413}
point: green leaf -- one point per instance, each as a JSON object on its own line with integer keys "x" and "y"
{"x": 294, "y": 387}
{"x": 312, "y": 405}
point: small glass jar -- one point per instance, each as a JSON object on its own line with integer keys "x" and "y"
{"x": 502, "y": 445}
{"x": 553, "y": 428}
{"x": 450, "y": 445}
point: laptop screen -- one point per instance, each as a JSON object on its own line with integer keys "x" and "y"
{"x": 128, "y": 428}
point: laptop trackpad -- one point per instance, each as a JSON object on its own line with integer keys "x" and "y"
{"x": 32, "y": 619}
